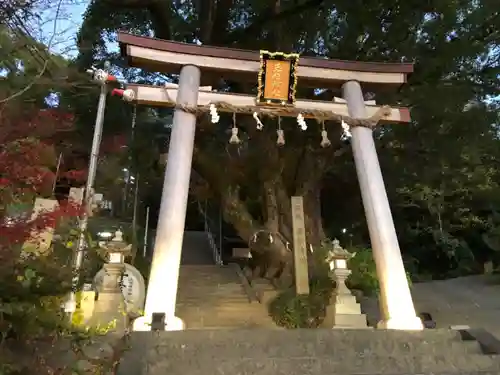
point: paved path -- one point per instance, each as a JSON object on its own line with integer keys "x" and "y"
{"x": 461, "y": 301}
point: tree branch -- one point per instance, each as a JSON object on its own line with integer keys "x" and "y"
{"x": 313, "y": 167}
{"x": 236, "y": 213}
{"x": 268, "y": 16}
{"x": 220, "y": 24}
{"x": 272, "y": 209}
{"x": 160, "y": 12}
{"x": 45, "y": 64}
{"x": 206, "y": 19}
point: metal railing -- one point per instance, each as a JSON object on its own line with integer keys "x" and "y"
{"x": 210, "y": 226}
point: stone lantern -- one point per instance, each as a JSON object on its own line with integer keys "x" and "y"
{"x": 110, "y": 304}
{"x": 343, "y": 311}
{"x": 337, "y": 260}
{"x": 116, "y": 250}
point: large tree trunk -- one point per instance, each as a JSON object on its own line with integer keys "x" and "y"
{"x": 313, "y": 218}
{"x": 273, "y": 258}
{"x": 276, "y": 180}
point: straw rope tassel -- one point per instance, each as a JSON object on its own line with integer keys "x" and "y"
{"x": 281, "y": 135}
{"x": 325, "y": 142}
{"x": 234, "y": 140}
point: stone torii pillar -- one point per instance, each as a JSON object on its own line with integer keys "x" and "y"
{"x": 163, "y": 278}
{"x": 398, "y": 311}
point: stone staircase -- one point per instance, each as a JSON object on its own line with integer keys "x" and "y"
{"x": 216, "y": 297}
{"x": 304, "y": 352}
{"x": 196, "y": 249}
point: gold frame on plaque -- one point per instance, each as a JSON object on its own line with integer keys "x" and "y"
{"x": 277, "y": 78}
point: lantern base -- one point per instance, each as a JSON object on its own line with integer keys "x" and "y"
{"x": 108, "y": 311}
{"x": 344, "y": 312}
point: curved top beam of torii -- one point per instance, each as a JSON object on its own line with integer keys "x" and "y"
{"x": 158, "y": 55}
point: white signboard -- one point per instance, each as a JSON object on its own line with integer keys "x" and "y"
{"x": 132, "y": 286}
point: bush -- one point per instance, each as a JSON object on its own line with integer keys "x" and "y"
{"x": 290, "y": 310}
{"x": 364, "y": 272}
{"x": 33, "y": 285}
{"x": 32, "y": 289}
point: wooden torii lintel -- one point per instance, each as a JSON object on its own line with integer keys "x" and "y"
{"x": 167, "y": 56}
{"x": 166, "y": 96}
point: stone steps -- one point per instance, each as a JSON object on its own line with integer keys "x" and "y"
{"x": 214, "y": 296}
{"x": 327, "y": 342}
{"x": 208, "y": 294}
{"x": 211, "y": 300}
{"x": 302, "y": 366}
{"x": 264, "y": 290}
{"x": 202, "y": 273}
{"x": 196, "y": 249}
{"x": 224, "y": 322}
{"x": 229, "y": 304}
{"x": 314, "y": 352}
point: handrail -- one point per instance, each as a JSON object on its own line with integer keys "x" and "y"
{"x": 249, "y": 290}
{"x": 217, "y": 253}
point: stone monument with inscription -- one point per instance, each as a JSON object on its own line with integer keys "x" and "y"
{"x": 299, "y": 247}
{"x": 132, "y": 286}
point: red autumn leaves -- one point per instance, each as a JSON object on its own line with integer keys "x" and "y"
{"x": 17, "y": 230}
{"x": 28, "y": 162}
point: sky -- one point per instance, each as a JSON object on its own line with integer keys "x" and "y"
{"x": 67, "y": 25}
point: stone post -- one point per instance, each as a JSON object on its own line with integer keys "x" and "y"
{"x": 162, "y": 286}
{"x": 396, "y": 302}
{"x": 40, "y": 243}
{"x": 87, "y": 303}
{"x": 299, "y": 247}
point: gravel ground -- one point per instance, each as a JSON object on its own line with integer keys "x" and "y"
{"x": 468, "y": 301}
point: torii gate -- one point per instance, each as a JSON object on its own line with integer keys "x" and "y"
{"x": 397, "y": 307}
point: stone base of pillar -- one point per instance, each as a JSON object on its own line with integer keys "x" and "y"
{"x": 143, "y": 324}
{"x": 110, "y": 307}
{"x": 344, "y": 312}
{"x": 411, "y": 323}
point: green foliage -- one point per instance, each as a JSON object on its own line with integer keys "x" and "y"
{"x": 32, "y": 290}
{"x": 491, "y": 236}
{"x": 290, "y": 310}
{"x": 364, "y": 272}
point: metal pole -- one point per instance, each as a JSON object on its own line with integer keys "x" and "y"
{"x": 56, "y": 176}
{"x": 398, "y": 311}
{"x": 164, "y": 275}
{"x": 100, "y": 77}
{"x": 146, "y": 229}
{"x": 134, "y": 214}
{"x": 220, "y": 235}
{"x": 125, "y": 192}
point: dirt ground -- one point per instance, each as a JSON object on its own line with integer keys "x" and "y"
{"x": 468, "y": 301}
